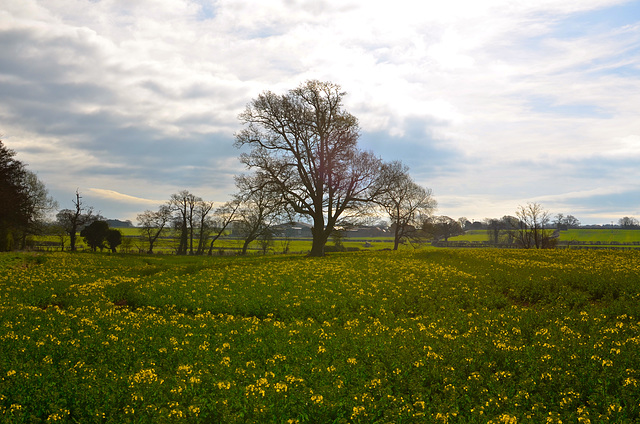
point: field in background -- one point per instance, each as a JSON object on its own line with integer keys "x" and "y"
{"x": 227, "y": 245}
{"x": 440, "y": 335}
{"x": 597, "y": 237}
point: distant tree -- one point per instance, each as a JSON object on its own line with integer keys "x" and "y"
{"x": 563, "y": 222}
{"x": 494, "y": 229}
{"x": 465, "y": 224}
{"x": 305, "y": 145}
{"x": 338, "y": 236}
{"x": 259, "y": 210}
{"x": 510, "y": 226}
{"x": 184, "y": 205}
{"x": 442, "y": 227}
{"x": 628, "y": 222}
{"x": 113, "y": 239}
{"x": 57, "y": 230}
{"x": 265, "y": 241}
{"x": 75, "y": 219}
{"x": 223, "y": 216}
{"x": 572, "y": 221}
{"x": 532, "y": 231}
{"x": 154, "y": 224}
{"x": 406, "y": 204}
{"x": 559, "y": 222}
{"x": 205, "y": 224}
{"x": 127, "y": 244}
{"x": 95, "y": 234}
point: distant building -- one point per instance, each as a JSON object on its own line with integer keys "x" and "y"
{"x": 294, "y": 230}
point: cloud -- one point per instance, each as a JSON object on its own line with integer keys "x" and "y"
{"x": 496, "y": 99}
{"x": 125, "y": 198}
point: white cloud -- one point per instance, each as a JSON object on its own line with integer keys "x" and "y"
{"x": 124, "y": 198}
{"x": 106, "y": 85}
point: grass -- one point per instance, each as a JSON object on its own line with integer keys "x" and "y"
{"x": 443, "y": 336}
{"x": 168, "y": 245}
{"x": 600, "y": 235}
{"x": 603, "y": 236}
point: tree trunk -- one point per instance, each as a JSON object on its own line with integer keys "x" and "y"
{"x": 320, "y": 237}
{"x": 245, "y": 246}
{"x": 396, "y": 237}
{"x": 317, "y": 247}
{"x": 182, "y": 249}
{"x": 72, "y": 240}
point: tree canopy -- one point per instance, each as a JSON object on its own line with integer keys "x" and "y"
{"x": 24, "y": 200}
{"x": 304, "y": 146}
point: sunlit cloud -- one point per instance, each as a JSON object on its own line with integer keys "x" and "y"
{"x": 124, "y": 198}
{"x": 497, "y": 100}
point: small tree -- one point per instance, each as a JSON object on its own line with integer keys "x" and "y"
{"x": 113, "y": 239}
{"x": 532, "y": 231}
{"x": 260, "y": 208}
{"x": 153, "y": 225}
{"x": 265, "y": 241}
{"x": 223, "y": 216}
{"x": 337, "y": 236}
{"x": 95, "y": 234}
{"x": 405, "y": 203}
{"x": 205, "y": 224}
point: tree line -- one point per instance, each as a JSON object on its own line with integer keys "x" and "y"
{"x": 301, "y": 153}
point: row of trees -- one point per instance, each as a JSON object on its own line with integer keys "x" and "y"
{"x": 628, "y": 222}
{"x": 305, "y": 164}
{"x": 530, "y": 228}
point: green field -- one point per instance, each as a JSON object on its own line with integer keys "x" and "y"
{"x": 603, "y": 236}
{"x": 600, "y": 235}
{"x": 439, "y": 336}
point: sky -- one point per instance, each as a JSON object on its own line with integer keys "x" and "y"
{"x": 491, "y": 104}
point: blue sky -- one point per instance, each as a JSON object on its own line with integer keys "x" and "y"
{"x": 491, "y": 104}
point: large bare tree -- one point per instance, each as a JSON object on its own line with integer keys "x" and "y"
{"x": 406, "y": 203}
{"x": 305, "y": 144}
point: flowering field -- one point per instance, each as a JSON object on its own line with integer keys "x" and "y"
{"x": 442, "y": 336}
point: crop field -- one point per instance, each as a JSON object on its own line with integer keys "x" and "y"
{"x": 611, "y": 236}
{"x": 132, "y": 242}
{"x": 437, "y": 336}
{"x": 601, "y": 235}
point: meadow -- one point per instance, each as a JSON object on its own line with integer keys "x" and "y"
{"x": 574, "y": 236}
{"x": 437, "y": 335}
